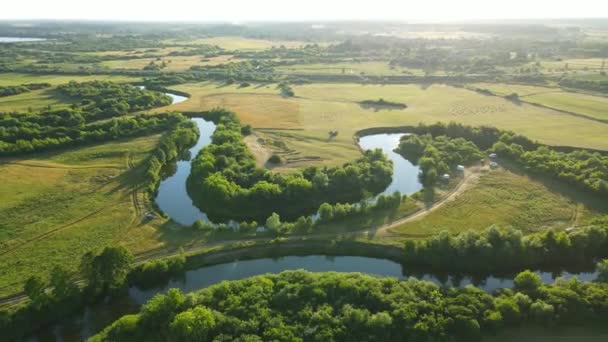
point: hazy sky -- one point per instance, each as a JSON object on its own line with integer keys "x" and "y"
{"x": 288, "y": 10}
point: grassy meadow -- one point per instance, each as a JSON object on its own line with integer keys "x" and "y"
{"x": 11, "y": 79}
{"x": 302, "y": 122}
{"x": 42, "y": 98}
{"x": 583, "y": 104}
{"x": 506, "y": 199}
{"x": 57, "y": 206}
{"x": 238, "y": 43}
{"x": 173, "y": 63}
{"x": 367, "y": 68}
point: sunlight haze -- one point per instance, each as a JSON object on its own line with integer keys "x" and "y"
{"x": 275, "y": 10}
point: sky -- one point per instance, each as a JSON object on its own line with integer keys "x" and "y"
{"x": 302, "y": 10}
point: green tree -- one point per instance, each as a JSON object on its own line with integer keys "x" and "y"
{"x": 527, "y": 282}
{"x": 192, "y": 325}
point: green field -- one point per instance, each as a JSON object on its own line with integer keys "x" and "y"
{"x": 10, "y": 79}
{"x": 57, "y": 206}
{"x": 303, "y": 121}
{"x": 506, "y": 199}
{"x": 39, "y": 99}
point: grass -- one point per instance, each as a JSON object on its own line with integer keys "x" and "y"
{"x": 367, "y": 68}
{"x": 303, "y": 121}
{"x": 34, "y": 100}
{"x": 39, "y": 99}
{"x": 57, "y": 206}
{"x": 239, "y": 43}
{"x": 174, "y": 63}
{"x": 9, "y": 79}
{"x": 588, "y": 105}
{"x": 506, "y": 199}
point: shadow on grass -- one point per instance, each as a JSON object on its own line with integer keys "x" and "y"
{"x": 578, "y": 195}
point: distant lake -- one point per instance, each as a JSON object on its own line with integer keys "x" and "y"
{"x": 19, "y": 39}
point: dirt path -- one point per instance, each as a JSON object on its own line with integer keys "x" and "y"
{"x": 260, "y": 153}
{"x": 469, "y": 180}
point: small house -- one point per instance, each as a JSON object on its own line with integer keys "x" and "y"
{"x": 493, "y": 165}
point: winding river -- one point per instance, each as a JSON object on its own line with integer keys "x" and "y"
{"x": 173, "y": 199}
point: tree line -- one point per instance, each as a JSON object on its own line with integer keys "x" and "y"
{"x": 582, "y": 168}
{"x": 502, "y": 250}
{"x": 304, "y": 306}
{"x": 101, "y": 273}
{"x": 23, "y": 88}
{"x": 20, "y": 133}
{"x": 103, "y": 99}
{"x": 226, "y": 183}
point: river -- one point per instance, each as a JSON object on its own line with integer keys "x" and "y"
{"x": 96, "y": 317}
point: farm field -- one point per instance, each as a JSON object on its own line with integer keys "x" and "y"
{"x": 57, "y": 206}
{"x": 367, "y": 68}
{"x": 238, "y": 43}
{"x": 509, "y": 200}
{"x": 173, "y": 63}
{"x": 304, "y": 120}
{"x": 583, "y": 104}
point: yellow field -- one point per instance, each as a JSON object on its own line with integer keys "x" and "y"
{"x": 318, "y": 108}
{"x": 174, "y": 63}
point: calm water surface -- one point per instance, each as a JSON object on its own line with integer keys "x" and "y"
{"x": 96, "y": 317}
{"x": 405, "y": 174}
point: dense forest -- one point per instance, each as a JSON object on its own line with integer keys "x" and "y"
{"x": 226, "y": 183}
{"x": 302, "y": 306}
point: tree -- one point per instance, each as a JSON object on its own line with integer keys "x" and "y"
{"x": 273, "y": 222}
{"x": 326, "y": 212}
{"x": 63, "y": 286}
{"x": 192, "y": 325}
{"x": 35, "y": 288}
{"x": 527, "y": 282}
{"x": 602, "y": 268}
{"x": 108, "y": 270}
